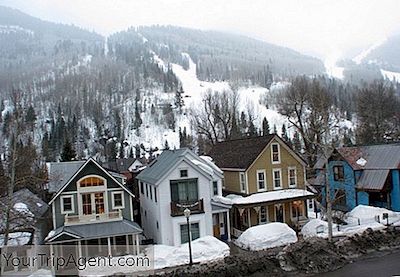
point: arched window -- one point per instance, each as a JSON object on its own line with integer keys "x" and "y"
{"x": 91, "y": 182}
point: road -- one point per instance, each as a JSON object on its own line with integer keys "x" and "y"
{"x": 381, "y": 265}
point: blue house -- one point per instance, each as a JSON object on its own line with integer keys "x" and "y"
{"x": 362, "y": 175}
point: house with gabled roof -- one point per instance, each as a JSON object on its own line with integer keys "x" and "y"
{"x": 176, "y": 180}
{"x": 367, "y": 175}
{"x": 91, "y": 206}
{"x": 265, "y": 180}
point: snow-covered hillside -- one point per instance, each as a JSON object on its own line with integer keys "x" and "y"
{"x": 153, "y": 134}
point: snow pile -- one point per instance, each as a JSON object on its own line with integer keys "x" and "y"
{"x": 369, "y": 214}
{"x": 16, "y": 239}
{"x": 266, "y": 236}
{"x": 315, "y": 227}
{"x": 203, "y": 249}
{"x": 41, "y": 273}
{"x": 22, "y": 208}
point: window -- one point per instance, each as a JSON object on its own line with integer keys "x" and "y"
{"x": 141, "y": 187}
{"x": 297, "y": 209}
{"x": 275, "y": 153}
{"x": 118, "y": 200}
{"x": 261, "y": 180}
{"x": 86, "y": 203}
{"x": 292, "y": 176}
{"x": 263, "y": 215}
{"x": 151, "y": 193}
{"x": 99, "y": 203}
{"x": 147, "y": 190}
{"x": 215, "y": 188}
{"x": 155, "y": 194}
{"x": 242, "y": 182}
{"x": 67, "y": 204}
{"x": 276, "y": 174}
{"x": 91, "y": 182}
{"x": 194, "y": 230}
{"x": 184, "y": 190}
{"x": 338, "y": 173}
{"x": 184, "y": 173}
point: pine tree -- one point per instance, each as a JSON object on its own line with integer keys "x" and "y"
{"x": 296, "y": 141}
{"x": 275, "y": 130}
{"x": 30, "y": 117}
{"x": 265, "y": 126}
{"x": 166, "y": 146}
{"x": 68, "y": 153}
{"x": 284, "y": 134}
{"x": 179, "y": 99}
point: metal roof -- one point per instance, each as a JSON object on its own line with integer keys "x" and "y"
{"x": 61, "y": 172}
{"x": 373, "y": 179}
{"x": 98, "y": 230}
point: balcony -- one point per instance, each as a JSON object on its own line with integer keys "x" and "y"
{"x": 92, "y": 218}
{"x": 195, "y": 207}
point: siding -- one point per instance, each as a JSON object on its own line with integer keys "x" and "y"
{"x": 264, "y": 161}
{"x": 232, "y": 181}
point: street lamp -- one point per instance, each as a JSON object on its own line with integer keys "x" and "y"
{"x": 186, "y": 212}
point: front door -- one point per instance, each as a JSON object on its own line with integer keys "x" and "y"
{"x": 93, "y": 203}
{"x": 279, "y": 213}
{"x": 216, "y": 228}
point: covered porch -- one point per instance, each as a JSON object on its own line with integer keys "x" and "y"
{"x": 105, "y": 239}
{"x": 221, "y": 221}
{"x": 261, "y": 208}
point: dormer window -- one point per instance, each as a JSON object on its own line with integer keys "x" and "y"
{"x": 184, "y": 173}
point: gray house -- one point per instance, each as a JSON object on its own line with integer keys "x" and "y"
{"x": 91, "y": 206}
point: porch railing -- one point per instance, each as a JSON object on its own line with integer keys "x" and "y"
{"x": 92, "y": 218}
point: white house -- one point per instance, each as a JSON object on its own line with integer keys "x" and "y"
{"x": 176, "y": 180}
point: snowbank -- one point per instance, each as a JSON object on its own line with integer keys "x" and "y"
{"x": 266, "y": 236}
{"x": 203, "y": 249}
{"x": 314, "y": 228}
{"x": 369, "y": 214}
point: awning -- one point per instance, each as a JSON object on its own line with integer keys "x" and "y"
{"x": 93, "y": 231}
{"x": 373, "y": 179}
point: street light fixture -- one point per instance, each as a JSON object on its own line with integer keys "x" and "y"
{"x": 186, "y": 212}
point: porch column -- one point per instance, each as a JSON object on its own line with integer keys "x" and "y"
{"x": 127, "y": 243}
{"x": 228, "y": 223}
{"x": 249, "y": 217}
{"x": 115, "y": 243}
{"x": 52, "y": 254}
{"x": 99, "y": 245}
{"x": 79, "y": 249}
{"x": 133, "y": 245}
{"x": 109, "y": 246}
{"x": 137, "y": 244}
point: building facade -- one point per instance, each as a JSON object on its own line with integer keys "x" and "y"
{"x": 91, "y": 206}
{"x": 365, "y": 175}
{"x": 176, "y": 180}
{"x": 265, "y": 179}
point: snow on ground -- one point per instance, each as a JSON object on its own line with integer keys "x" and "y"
{"x": 266, "y": 236}
{"x": 332, "y": 69}
{"x": 360, "y": 57}
{"x": 16, "y": 239}
{"x": 391, "y": 75}
{"x": 42, "y": 273}
{"x": 369, "y": 214}
{"x": 204, "y": 249}
{"x": 358, "y": 220}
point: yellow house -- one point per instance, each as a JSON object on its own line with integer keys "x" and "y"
{"x": 265, "y": 180}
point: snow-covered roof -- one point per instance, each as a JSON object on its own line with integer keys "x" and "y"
{"x": 269, "y": 196}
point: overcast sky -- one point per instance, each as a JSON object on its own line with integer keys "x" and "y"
{"x": 323, "y": 28}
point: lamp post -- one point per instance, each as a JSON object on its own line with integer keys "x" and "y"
{"x": 186, "y": 212}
